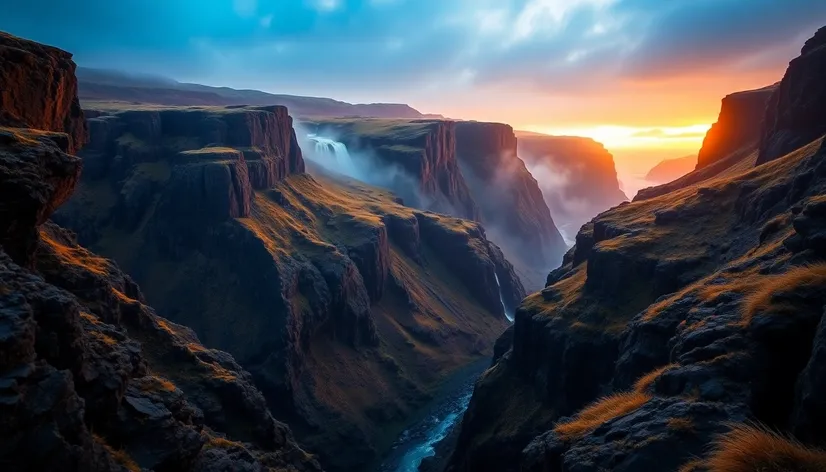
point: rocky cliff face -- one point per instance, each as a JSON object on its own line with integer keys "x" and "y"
{"x": 346, "y": 307}
{"x": 671, "y": 319}
{"x": 730, "y": 146}
{"x": 737, "y": 127}
{"x": 38, "y": 89}
{"x": 91, "y": 378}
{"x": 577, "y": 176}
{"x": 511, "y": 203}
{"x": 796, "y": 107}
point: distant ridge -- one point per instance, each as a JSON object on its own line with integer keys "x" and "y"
{"x": 96, "y": 85}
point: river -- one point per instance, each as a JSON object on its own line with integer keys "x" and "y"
{"x": 417, "y": 442}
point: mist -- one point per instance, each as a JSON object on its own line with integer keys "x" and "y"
{"x": 327, "y": 149}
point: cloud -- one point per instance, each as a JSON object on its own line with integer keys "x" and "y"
{"x": 403, "y": 47}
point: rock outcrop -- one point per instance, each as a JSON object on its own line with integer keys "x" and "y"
{"x": 577, "y": 177}
{"x": 38, "y": 89}
{"x": 796, "y": 108}
{"x": 737, "y": 126}
{"x": 508, "y": 196}
{"x": 671, "y": 319}
{"x": 91, "y": 379}
{"x": 346, "y": 307}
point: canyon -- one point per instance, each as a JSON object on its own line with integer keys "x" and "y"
{"x": 685, "y": 326}
{"x": 198, "y": 278}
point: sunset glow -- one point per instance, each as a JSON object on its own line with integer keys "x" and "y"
{"x": 688, "y": 138}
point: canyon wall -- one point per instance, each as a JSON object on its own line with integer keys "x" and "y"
{"x": 577, "y": 176}
{"x": 509, "y": 198}
{"x": 730, "y": 146}
{"x": 91, "y": 377}
{"x": 347, "y": 307}
{"x": 796, "y": 114}
{"x": 672, "y": 319}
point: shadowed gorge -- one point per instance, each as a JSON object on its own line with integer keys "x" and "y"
{"x": 691, "y": 312}
{"x": 348, "y": 308}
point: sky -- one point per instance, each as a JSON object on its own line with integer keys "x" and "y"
{"x": 645, "y": 77}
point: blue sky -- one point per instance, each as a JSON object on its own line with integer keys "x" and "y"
{"x": 559, "y": 64}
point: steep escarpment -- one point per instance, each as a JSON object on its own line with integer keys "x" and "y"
{"x": 577, "y": 177}
{"x": 796, "y": 107}
{"x": 730, "y": 146}
{"x": 414, "y": 158}
{"x": 348, "y": 308}
{"x": 737, "y": 127}
{"x": 672, "y": 319}
{"x": 38, "y": 89}
{"x": 509, "y": 198}
{"x": 91, "y": 378}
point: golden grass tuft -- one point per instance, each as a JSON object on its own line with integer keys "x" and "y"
{"x": 761, "y": 298}
{"x": 76, "y": 256}
{"x": 119, "y": 455}
{"x": 644, "y": 382}
{"x": 755, "y": 449}
{"x": 604, "y": 409}
{"x": 223, "y": 443}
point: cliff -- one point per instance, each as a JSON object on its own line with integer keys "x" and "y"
{"x": 38, "y": 89}
{"x": 797, "y": 113}
{"x": 577, "y": 176}
{"x": 509, "y": 198}
{"x": 730, "y": 146}
{"x": 737, "y": 126}
{"x": 91, "y": 377}
{"x": 673, "y": 321}
{"x": 348, "y": 308}
{"x": 669, "y": 170}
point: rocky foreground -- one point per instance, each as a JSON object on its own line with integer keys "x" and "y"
{"x": 91, "y": 378}
{"x": 683, "y": 324}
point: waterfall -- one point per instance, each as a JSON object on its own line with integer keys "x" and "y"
{"x": 502, "y": 299}
{"x": 327, "y": 150}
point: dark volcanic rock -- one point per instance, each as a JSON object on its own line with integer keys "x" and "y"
{"x": 38, "y": 89}
{"x": 91, "y": 379}
{"x": 35, "y": 178}
{"x": 796, "y": 113}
